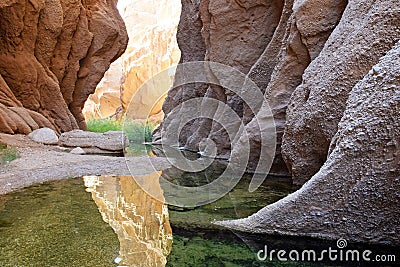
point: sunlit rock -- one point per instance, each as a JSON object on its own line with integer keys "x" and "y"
{"x": 106, "y": 101}
{"x": 152, "y": 48}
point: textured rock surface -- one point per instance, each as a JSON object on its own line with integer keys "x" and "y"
{"x": 303, "y": 30}
{"x": 192, "y": 47}
{"x": 233, "y": 33}
{"x": 355, "y": 194}
{"x": 152, "y": 48}
{"x": 52, "y": 55}
{"x": 44, "y": 136}
{"x": 112, "y": 140}
{"x": 303, "y": 47}
{"x": 367, "y": 30}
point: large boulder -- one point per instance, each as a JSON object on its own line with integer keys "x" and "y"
{"x": 89, "y": 141}
{"x": 44, "y": 136}
{"x": 52, "y": 56}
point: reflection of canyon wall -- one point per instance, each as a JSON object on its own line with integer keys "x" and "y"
{"x": 140, "y": 221}
{"x": 52, "y": 55}
{"x": 152, "y": 48}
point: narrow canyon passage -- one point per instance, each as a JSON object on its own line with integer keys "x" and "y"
{"x": 199, "y": 133}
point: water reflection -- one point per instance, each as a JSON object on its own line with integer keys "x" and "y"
{"x": 140, "y": 221}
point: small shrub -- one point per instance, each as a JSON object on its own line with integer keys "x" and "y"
{"x": 139, "y": 132}
{"x": 103, "y": 125}
{"x": 8, "y": 154}
{"x": 136, "y": 131}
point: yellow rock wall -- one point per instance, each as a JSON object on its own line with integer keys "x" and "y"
{"x": 140, "y": 221}
{"x": 152, "y": 48}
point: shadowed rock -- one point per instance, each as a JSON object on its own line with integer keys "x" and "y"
{"x": 367, "y": 30}
{"x": 355, "y": 194}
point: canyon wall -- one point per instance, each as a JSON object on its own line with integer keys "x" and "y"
{"x": 355, "y": 194}
{"x": 331, "y": 96}
{"x": 52, "y": 56}
{"x": 299, "y": 55}
{"x": 152, "y": 48}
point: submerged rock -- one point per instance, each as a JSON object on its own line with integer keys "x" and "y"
{"x": 109, "y": 141}
{"x": 45, "y": 136}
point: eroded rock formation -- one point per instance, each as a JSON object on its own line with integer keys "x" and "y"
{"x": 290, "y": 37}
{"x": 334, "y": 121}
{"x": 294, "y": 51}
{"x": 236, "y": 35}
{"x": 52, "y": 56}
{"x": 355, "y": 194}
{"x": 367, "y": 30}
{"x": 152, "y": 48}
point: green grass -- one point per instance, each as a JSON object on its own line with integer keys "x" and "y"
{"x": 8, "y": 154}
{"x": 136, "y": 132}
{"x": 103, "y": 125}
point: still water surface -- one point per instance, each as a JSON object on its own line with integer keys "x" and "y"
{"x": 112, "y": 221}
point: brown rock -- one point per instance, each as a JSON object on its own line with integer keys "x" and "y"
{"x": 52, "y": 55}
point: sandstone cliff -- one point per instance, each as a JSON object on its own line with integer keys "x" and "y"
{"x": 52, "y": 56}
{"x": 152, "y": 48}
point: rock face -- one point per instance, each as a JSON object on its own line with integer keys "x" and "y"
{"x": 367, "y": 30}
{"x": 278, "y": 56}
{"x": 355, "y": 194}
{"x": 334, "y": 122}
{"x": 152, "y": 48}
{"x": 301, "y": 60}
{"x": 106, "y": 101}
{"x": 52, "y": 55}
{"x": 235, "y": 34}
